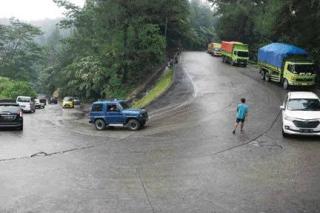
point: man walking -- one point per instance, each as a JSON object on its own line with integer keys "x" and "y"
{"x": 242, "y": 111}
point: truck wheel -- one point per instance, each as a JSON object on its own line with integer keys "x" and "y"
{"x": 262, "y": 75}
{"x": 134, "y": 124}
{"x": 285, "y": 84}
{"x": 267, "y": 77}
{"x": 100, "y": 124}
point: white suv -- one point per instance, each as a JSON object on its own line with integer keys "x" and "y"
{"x": 26, "y": 103}
{"x": 301, "y": 114}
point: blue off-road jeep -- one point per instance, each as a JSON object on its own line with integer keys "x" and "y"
{"x": 112, "y": 113}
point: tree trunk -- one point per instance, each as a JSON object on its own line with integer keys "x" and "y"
{"x": 125, "y": 56}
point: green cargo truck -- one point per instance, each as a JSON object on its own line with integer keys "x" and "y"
{"x": 235, "y": 53}
{"x": 286, "y": 64}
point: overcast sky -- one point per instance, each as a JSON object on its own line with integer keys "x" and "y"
{"x": 32, "y": 9}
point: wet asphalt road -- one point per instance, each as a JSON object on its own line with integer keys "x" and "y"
{"x": 185, "y": 160}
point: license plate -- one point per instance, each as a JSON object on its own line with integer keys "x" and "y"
{"x": 306, "y": 130}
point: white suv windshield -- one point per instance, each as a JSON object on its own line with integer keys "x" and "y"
{"x": 24, "y": 100}
{"x": 303, "y": 105}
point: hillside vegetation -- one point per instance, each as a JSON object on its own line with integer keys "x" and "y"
{"x": 105, "y": 49}
{"x": 10, "y": 89}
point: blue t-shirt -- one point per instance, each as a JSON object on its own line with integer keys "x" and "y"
{"x": 242, "y": 111}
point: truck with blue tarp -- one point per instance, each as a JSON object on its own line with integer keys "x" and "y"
{"x": 286, "y": 64}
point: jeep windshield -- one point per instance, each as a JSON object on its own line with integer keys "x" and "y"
{"x": 304, "y": 105}
{"x": 124, "y": 105}
{"x": 243, "y": 54}
{"x": 304, "y": 68}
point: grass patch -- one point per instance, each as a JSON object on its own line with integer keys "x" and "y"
{"x": 161, "y": 86}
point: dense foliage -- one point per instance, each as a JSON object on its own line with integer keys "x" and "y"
{"x": 258, "y": 22}
{"x": 201, "y": 26}
{"x": 12, "y": 89}
{"x": 116, "y": 45}
{"x": 105, "y": 49}
{"x": 19, "y": 53}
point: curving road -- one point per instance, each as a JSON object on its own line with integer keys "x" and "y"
{"x": 185, "y": 160}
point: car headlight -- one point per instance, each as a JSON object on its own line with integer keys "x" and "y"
{"x": 288, "y": 118}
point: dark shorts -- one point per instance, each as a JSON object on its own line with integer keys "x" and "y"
{"x": 239, "y": 120}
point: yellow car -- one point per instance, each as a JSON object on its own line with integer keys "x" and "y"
{"x": 67, "y": 102}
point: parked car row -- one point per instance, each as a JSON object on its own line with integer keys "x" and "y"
{"x": 11, "y": 111}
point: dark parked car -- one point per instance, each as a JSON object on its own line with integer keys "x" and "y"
{"x": 43, "y": 101}
{"x": 76, "y": 101}
{"x": 53, "y": 100}
{"x": 10, "y": 114}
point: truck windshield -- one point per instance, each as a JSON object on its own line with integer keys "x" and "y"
{"x": 304, "y": 105}
{"x": 304, "y": 68}
{"x": 243, "y": 54}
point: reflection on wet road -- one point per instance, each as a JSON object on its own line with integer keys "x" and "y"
{"x": 185, "y": 160}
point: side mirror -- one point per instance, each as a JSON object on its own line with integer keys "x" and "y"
{"x": 282, "y": 107}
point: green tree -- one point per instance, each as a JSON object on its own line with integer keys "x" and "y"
{"x": 12, "y": 89}
{"x": 18, "y": 51}
{"x": 114, "y": 45}
{"x": 201, "y": 26}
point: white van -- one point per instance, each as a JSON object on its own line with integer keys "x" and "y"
{"x": 301, "y": 114}
{"x": 26, "y": 103}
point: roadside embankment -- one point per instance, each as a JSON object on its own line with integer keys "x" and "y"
{"x": 160, "y": 87}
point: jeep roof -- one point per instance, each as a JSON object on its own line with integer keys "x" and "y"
{"x": 108, "y": 101}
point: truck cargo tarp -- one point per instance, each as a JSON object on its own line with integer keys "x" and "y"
{"x": 229, "y": 45}
{"x": 275, "y": 53}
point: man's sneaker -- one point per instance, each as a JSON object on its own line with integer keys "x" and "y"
{"x": 234, "y": 132}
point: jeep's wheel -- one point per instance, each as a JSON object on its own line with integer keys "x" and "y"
{"x": 100, "y": 124}
{"x": 134, "y": 124}
{"x": 285, "y": 84}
